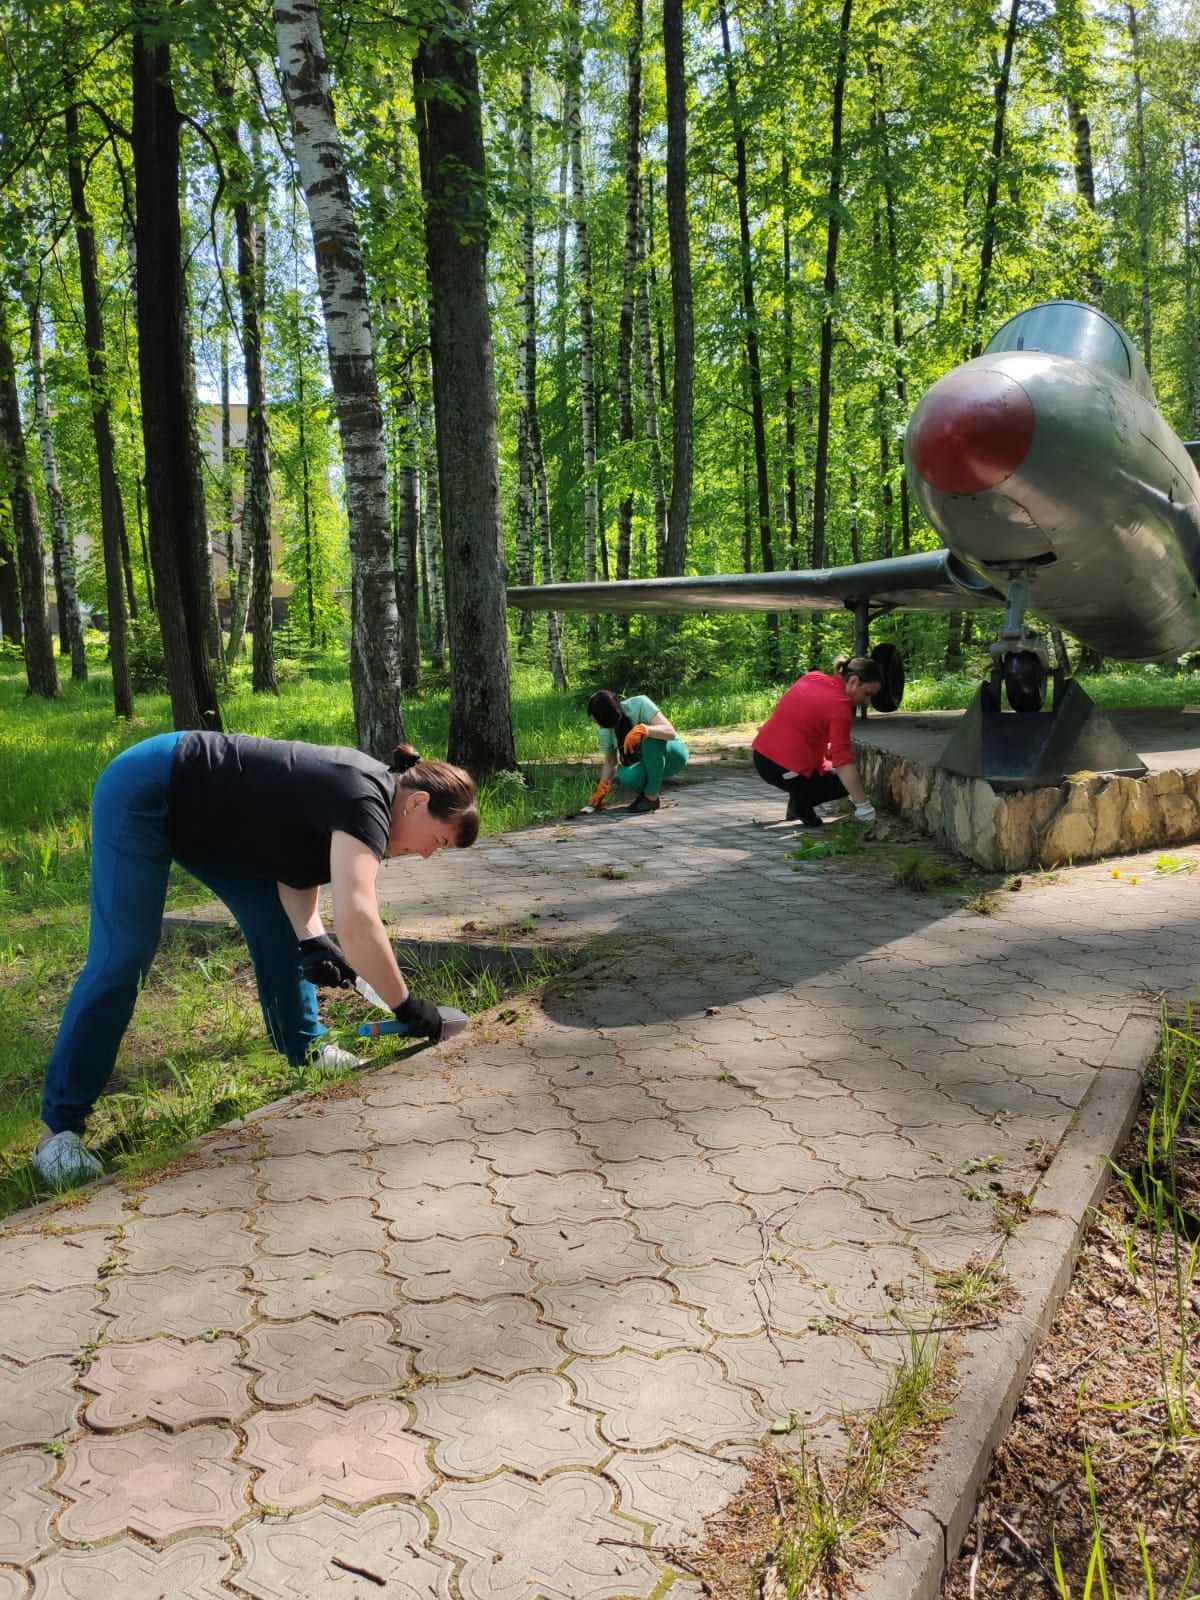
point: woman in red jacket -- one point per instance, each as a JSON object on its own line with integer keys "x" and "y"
{"x": 804, "y": 746}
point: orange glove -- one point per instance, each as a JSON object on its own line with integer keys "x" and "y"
{"x": 600, "y": 793}
{"x": 634, "y": 738}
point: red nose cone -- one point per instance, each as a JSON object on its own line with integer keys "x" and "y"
{"x": 971, "y": 431}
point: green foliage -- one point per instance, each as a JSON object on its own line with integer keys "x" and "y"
{"x": 147, "y": 664}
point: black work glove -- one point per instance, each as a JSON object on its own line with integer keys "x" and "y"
{"x": 421, "y": 1017}
{"x": 323, "y": 963}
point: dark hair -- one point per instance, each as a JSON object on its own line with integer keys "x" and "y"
{"x": 451, "y": 791}
{"x": 864, "y": 668}
{"x": 606, "y": 709}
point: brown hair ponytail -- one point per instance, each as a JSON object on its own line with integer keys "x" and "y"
{"x": 451, "y": 791}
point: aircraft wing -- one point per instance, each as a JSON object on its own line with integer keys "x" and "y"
{"x": 932, "y": 580}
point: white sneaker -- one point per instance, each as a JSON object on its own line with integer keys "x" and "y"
{"x": 61, "y": 1161}
{"x": 332, "y": 1058}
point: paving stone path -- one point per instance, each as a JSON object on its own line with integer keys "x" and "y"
{"x": 502, "y": 1319}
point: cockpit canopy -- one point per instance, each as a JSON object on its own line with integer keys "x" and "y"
{"x": 1069, "y": 328}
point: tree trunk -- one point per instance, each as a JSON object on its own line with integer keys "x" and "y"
{"x": 629, "y": 285}
{"x": 753, "y": 356}
{"x": 832, "y": 237}
{"x": 70, "y": 623}
{"x": 165, "y": 368}
{"x": 10, "y": 592}
{"x": 256, "y": 499}
{"x": 233, "y": 647}
{"x": 1143, "y": 192}
{"x": 454, "y": 186}
{"x": 525, "y": 353}
{"x": 879, "y": 114}
{"x": 112, "y": 513}
{"x": 583, "y": 275}
{"x": 408, "y": 589}
{"x": 41, "y": 672}
{"x": 650, "y": 410}
{"x": 988, "y": 249}
{"x": 534, "y": 488}
{"x": 431, "y": 540}
{"x": 681, "y": 292}
{"x": 375, "y": 658}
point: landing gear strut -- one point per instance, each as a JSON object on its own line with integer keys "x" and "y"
{"x": 886, "y": 656}
{"x": 1020, "y": 659}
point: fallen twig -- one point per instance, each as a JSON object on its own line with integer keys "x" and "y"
{"x": 359, "y": 1572}
{"x": 674, "y": 1556}
{"x": 973, "y": 1576}
{"x": 1026, "y": 1547}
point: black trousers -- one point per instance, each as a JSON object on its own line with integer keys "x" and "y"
{"x": 803, "y": 789}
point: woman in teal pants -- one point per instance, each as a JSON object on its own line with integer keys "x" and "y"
{"x": 640, "y": 746}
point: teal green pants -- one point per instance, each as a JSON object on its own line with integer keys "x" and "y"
{"x": 657, "y": 759}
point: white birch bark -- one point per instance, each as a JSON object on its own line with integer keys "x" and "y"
{"x": 583, "y": 275}
{"x": 375, "y": 661}
{"x": 70, "y": 622}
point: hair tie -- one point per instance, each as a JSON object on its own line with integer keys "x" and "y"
{"x": 403, "y": 759}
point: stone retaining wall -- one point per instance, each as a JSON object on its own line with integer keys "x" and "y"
{"x": 1079, "y": 821}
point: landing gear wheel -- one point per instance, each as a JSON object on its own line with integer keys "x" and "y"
{"x": 1025, "y": 677}
{"x": 891, "y": 664}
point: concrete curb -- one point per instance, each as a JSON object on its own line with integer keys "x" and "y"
{"x": 1039, "y": 1261}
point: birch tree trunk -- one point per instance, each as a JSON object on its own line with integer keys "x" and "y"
{"x": 431, "y": 541}
{"x": 256, "y": 499}
{"x": 533, "y": 461}
{"x": 70, "y": 623}
{"x": 41, "y": 672}
{"x": 629, "y": 285}
{"x": 650, "y": 412}
{"x": 454, "y": 187}
{"x": 406, "y": 564}
{"x": 679, "y": 238}
{"x": 112, "y": 513}
{"x": 583, "y": 276}
{"x": 182, "y": 580}
{"x": 375, "y": 659}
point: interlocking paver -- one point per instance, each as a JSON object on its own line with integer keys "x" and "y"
{"x": 415, "y": 1166}
{"x": 455, "y": 1213}
{"x": 165, "y": 1381}
{"x": 556, "y": 1150}
{"x": 225, "y": 1186}
{"x": 48, "y": 1323}
{"x": 773, "y": 1168}
{"x": 312, "y": 1177}
{"x": 349, "y": 1456}
{"x": 655, "y": 1140}
{"x": 600, "y": 1319}
{"x": 26, "y": 1506}
{"x": 515, "y": 1538}
{"x": 326, "y": 1225}
{"x": 325, "y": 1552}
{"x": 315, "y": 1129}
{"x": 567, "y": 1252}
{"x": 527, "y": 1423}
{"x": 675, "y": 1490}
{"x": 683, "y": 1395}
{"x": 454, "y": 1337}
{"x": 828, "y": 1215}
{"x": 479, "y": 1267}
{"x": 392, "y": 1126}
{"x": 336, "y": 1286}
{"x": 13, "y": 1586}
{"x": 694, "y": 1235}
{"x": 528, "y": 1113}
{"x": 44, "y": 1261}
{"x": 193, "y": 1567}
{"x": 817, "y": 1373}
{"x": 152, "y": 1483}
{"x": 570, "y": 1197}
{"x": 742, "y": 1127}
{"x": 186, "y": 1240}
{"x": 342, "y": 1362}
{"x": 178, "y": 1301}
{"x": 670, "y": 1183}
{"x": 37, "y": 1403}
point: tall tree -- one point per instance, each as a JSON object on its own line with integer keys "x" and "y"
{"x": 375, "y": 658}
{"x": 631, "y": 259}
{"x": 112, "y": 510}
{"x": 178, "y": 536}
{"x": 454, "y": 186}
{"x": 583, "y": 284}
{"x": 1143, "y": 185}
{"x": 41, "y": 673}
{"x": 750, "y": 326}
{"x": 70, "y": 622}
{"x": 990, "y": 230}
{"x": 679, "y": 238}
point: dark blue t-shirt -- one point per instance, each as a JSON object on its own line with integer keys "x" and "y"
{"x": 272, "y": 805}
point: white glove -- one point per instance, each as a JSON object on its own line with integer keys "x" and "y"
{"x": 864, "y": 812}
